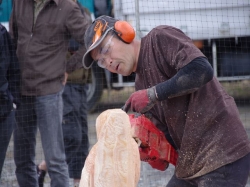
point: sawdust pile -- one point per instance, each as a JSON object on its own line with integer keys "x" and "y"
{"x": 114, "y": 160}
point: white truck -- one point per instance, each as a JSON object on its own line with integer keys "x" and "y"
{"x": 220, "y": 28}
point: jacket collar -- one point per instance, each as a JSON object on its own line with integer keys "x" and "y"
{"x": 56, "y": 1}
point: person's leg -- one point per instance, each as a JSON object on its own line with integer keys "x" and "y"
{"x": 6, "y": 128}
{"x": 83, "y": 150}
{"x": 71, "y": 124}
{"x": 24, "y": 143}
{"x": 175, "y": 182}
{"x": 231, "y": 175}
{"x": 75, "y": 128}
{"x": 49, "y": 117}
{"x": 71, "y": 131}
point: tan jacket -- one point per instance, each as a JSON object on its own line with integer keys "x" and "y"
{"x": 42, "y": 47}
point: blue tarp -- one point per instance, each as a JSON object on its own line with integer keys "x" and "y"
{"x": 88, "y": 4}
{"x": 5, "y": 10}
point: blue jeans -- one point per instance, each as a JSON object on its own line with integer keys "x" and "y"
{"x": 231, "y": 175}
{"x": 7, "y": 126}
{"x": 44, "y": 112}
{"x": 75, "y": 127}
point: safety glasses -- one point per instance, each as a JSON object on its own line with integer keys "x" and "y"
{"x": 105, "y": 51}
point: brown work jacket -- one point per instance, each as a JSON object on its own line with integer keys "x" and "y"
{"x": 42, "y": 47}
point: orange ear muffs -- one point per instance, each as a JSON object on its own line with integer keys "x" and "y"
{"x": 125, "y": 31}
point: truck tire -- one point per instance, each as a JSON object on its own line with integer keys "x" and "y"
{"x": 95, "y": 89}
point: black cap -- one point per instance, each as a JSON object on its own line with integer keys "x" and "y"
{"x": 94, "y": 35}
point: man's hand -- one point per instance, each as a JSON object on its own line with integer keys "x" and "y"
{"x": 141, "y": 101}
{"x": 65, "y": 78}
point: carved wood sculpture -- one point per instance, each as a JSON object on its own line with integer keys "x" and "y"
{"x": 114, "y": 161}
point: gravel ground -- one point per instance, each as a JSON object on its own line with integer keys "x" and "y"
{"x": 149, "y": 177}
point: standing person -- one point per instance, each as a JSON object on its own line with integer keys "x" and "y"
{"x": 9, "y": 90}
{"x": 75, "y": 124}
{"x": 42, "y": 30}
{"x": 175, "y": 83}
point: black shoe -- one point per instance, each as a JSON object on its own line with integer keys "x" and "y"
{"x": 41, "y": 175}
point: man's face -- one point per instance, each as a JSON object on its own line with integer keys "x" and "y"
{"x": 114, "y": 55}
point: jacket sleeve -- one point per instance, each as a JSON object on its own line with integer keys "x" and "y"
{"x": 4, "y": 61}
{"x": 77, "y": 24}
{"x": 13, "y": 74}
{"x": 13, "y": 27}
{"x": 10, "y": 70}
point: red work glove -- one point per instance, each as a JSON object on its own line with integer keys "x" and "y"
{"x": 141, "y": 101}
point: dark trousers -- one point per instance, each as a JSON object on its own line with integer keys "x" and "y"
{"x": 231, "y": 175}
{"x": 6, "y": 128}
{"x": 75, "y": 127}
